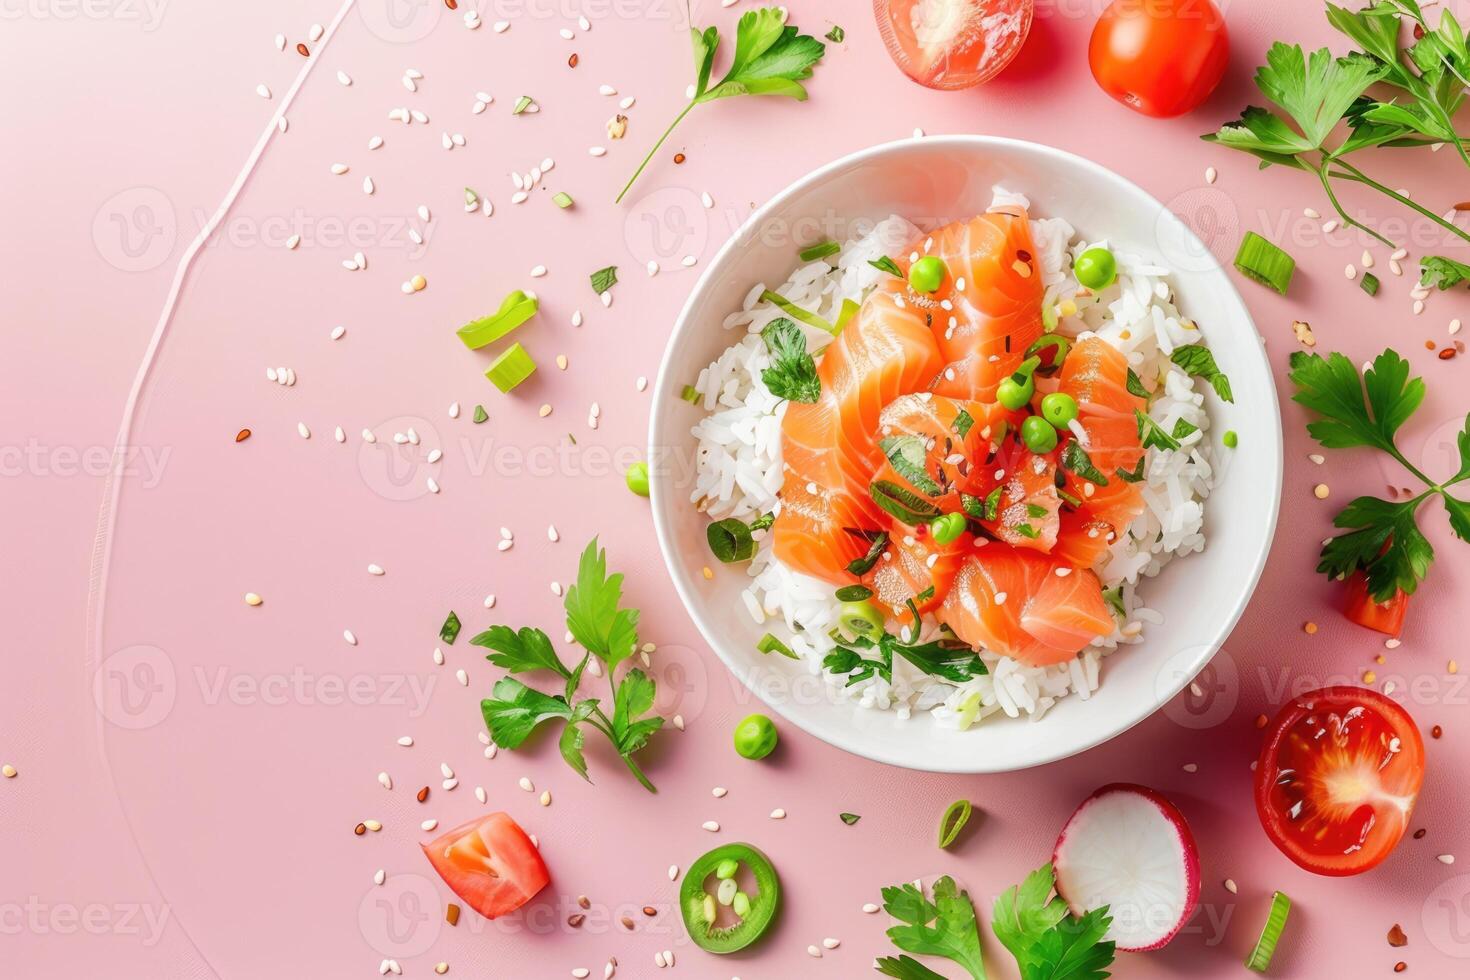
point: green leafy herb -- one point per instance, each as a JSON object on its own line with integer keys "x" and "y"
{"x": 730, "y": 540}
{"x": 836, "y": 35}
{"x": 597, "y": 621}
{"x": 1443, "y": 273}
{"x": 948, "y": 660}
{"x": 480, "y": 414}
{"x": 771, "y": 58}
{"x": 1075, "y": 459}
{"x": 909, "y": 455}
{"x": 1369, "y": 283}
{"x": 854, "y": 593}
{"x": 604, "y": 279}
{"x": 1152, "y": 434}
{"x": 944, "y": 927}
{"x": 1183, "y": 429}
{"x": 793, "y": 372}
{"x": 1046, "y": 939}
{"x": 1135, "y": 385}
{"x": 849, "y": 818}
{"x": 885, "y": 264}
{"x": 878, "y": 542}
{"x": 903, "y": 503}
{"x": 1196, "y": 359}
{"x": 1383, "y": 538}
{"x": 764, "y": 521}
{"x": 449, "y": 632}
{"x": 1134, "y": 475}
{"x": 963, "y": 423}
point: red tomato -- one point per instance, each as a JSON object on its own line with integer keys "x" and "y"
{"x": 1160, "y": 57}
{"x": 490, "y": 863}
{"x": 951, "y": 44}
{"x": 1385, "y": 617}
{"x": 1337, "y": 779}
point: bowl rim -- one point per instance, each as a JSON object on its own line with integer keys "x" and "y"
{"x": 663, "y": 391}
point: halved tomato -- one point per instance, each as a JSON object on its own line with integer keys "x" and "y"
{"x": 1337, "y": 779}
{"x": 490, "y": 863}
{"x": 950, "y": 44}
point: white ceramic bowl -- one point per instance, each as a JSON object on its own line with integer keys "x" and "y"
{"x": 930, "y": 181}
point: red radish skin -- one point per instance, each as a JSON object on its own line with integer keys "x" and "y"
{"x": 1081, "y": 853}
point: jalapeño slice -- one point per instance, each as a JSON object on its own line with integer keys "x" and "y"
{"x": 722, "y": 916}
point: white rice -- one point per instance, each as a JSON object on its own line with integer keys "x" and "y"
{"x": 739, "y": 473}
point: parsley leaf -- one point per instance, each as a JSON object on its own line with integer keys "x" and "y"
{"x": 515, "y": 710}
{"x": 1045, "y": 938}
{"x": 604, "y": 279}
{"x": 593, "y": 614}
{"x": 1386, "y": 544}
{"x": 1315, "y": 90}
{"x": 944, "y": 927}
{"x": 1196, "y": 359}
{"x": 1443, "y": 273}
{"x": 1152, "y": 434}
{"x": 632, "y": 701}
{"x": 520, "y": 652}
{"x": 771, "y": 58}
{"x": 1332, "y": 388}
{"x": 878, "y": 543}
{"x": 1135, "y": 386}
{"x": 1075, "y": 459}
{"x": 793, "y": 372}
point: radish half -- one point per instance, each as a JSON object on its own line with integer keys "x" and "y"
{"x": 1129, "y": 848}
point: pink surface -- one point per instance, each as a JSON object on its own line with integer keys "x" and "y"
{"x": 200, "y": 823}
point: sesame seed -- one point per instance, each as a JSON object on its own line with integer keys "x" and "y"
{"x": 814, "y": 951}
{"x": 526, "y": 784}
{"x": 831, "y": 943}
{"x": 778, "y": 814}
{"x": 252, "y": 599}
{"x": 1211, "y": 175}
{"x": 405, "y": 740}
{"x": 711, "y": 826}
{"x": 9, "y": 771}
{"x": 429, "y": 824}
{"x": 1350, "y": 271}
{"x": 1230, "y": 886}
{"x": 1446, "y": 859}
{"x": 350, "y": 637}
{"x": 546, "y": 798}
{"x": 544, "y": 410}
{"x": 462, "y": 677}
{"x": 718, "y": 792}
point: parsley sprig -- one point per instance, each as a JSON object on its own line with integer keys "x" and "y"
{"x": 607, "y": 631}
{"x": 943, "y": 927}
{"x": 770, "y": 58}
{"x": 1317, "y": 91}
{"x": 862, "y": 657}
{"x": 1383, "y": 538}
{"x": 793, "y": 371}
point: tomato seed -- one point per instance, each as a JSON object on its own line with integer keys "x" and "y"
{"x": 572, "y": 61}
{"x": 452, "y": 4}
{"x": 242, "y": 435}
{"x": 423, "y": 794}
{"x": 1436, "y": 732}
{"x": 1419, "y": 834}
{"x": 302, "y": 50}
{"x": 679, "y": 158}
{"x": 576, "y": 921}
{"x": 360, "y": 829}
{"x": 1447, "y": 354}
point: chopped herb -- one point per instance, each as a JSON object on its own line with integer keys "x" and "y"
{"x": 1114, "y": 599}
{"x": 849, "y": 818}
{"x": 470, "y": 197}
{"x": 963, "y": 422}
{"x": 449, "y": 632}
{"x": 793, "y": 373}
{"x": 604, "y": 279}
{"x": 764, "y": 521}
{"x": 771, "y": 58}
{"x": 1152, "y": 434}
{"x": 908, "y": 456}
{"x": 1265, "y": 263}
{"x": 730, "y": 540}
{"x": 1068, "y": 498}
{"x": 1135, "y": 385}
{"x": 1044, "y": 936}
{"x": 769, "y": 644}
{"x": 1197, "y": 360}
{"x": 691, "y": 394}
{"x": 1036, "y": 510}
{"x": 846, "y": 313}
{"x": 854, "y": 593}
{"x": 522, "y": 104}
{"x": 885, "y": 264}
{"x": 480, "y": 414}
{"x": 562, "y": 199}
{"x": 945, "y": 926}
{"x": 1184, "y": 429}
{"x": 796, "y": 312}
{"x": 820, "y": 250}
{"x": 903, "y": 503}
{"x": 1027, "y": 531}
{"x": 863, "y": 565}
{"x": 1134, "y": 475}
{"x": 1370, "y": 283}
{"x": 1443, "y": 273}
{"x": 954, "y": 821}
{"x": 836, "y": 35}
{"x": 1075, "y": 459}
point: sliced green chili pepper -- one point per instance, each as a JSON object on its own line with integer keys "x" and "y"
{"x": 751, "y": 914}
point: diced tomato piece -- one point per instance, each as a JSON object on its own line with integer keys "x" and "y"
{"x": 1385, "y": 617}
{"x": 490, "y": 863}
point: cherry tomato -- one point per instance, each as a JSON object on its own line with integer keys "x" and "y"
{"x": 1385, "y": 617}
{"x": 950, "y": 44}
{"x": 1160, "y": 57}
{"x": 490, "y": 863}
{"x": 1337, "y": 779}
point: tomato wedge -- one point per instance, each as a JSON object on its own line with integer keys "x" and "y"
{"x": 1337, "y": 779}
{"x": 490, "y": 863}
{"x": 1385, "y": 617}
{"x": 952, "y": 44}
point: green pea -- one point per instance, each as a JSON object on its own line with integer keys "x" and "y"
{"x": 1013, "y": 395}
{"x": 755, "y": 737}
{"x": 1096, "y": 268}
{"x": 948, "y": 528}
{"x": 1059, "y": 408}
{"x": 637, "y": 479}
{"x": 927, "y": 274}
{"x": 1230, "y": 439}
{"x": 1038, "y": 435}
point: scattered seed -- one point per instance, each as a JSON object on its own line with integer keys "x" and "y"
{"x": 1320, "y": 491}
{"x": 1309, "y": 627}
{"x": 1230, "y": 885}
{"x": 526, "y": 784}
{"x": 350, "y": 637}
{"x": 1369, "y": 677}
{"x": 1436, "y": 732}
{"x": 1445, "y": 859}
{"x": 719, "y": 792}
{"x": 778, "y": 814}
{"x": 9, "y": 771}
{"x": 252, "y": 599}
{"x": 1211, "y": 175}
{"x": 830, "y": 943}
{"x": 429, "y": 824}
{"x": 546, "y": 798}
{"x": 711, "y": 826}
{"x": 405, "y": 740}
{"x": 372, "y": 825}
{"x": 673, "y": 872}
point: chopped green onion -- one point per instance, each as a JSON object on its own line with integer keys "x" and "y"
{"x": 449, "y": 632}
{"x": 1265, "y": 263}
{"x": 1260, "y": 957}
{"x": 470, "y": 197}
{"x": 819, "y": 251}
{"x": 691, "y": 394}
{"x": 797, "y": 313}
{"x": 1051, "y": 340}
{"x": 954, "y": 821}
{"x": 515, "y": 309}
{"x": 764, "y": 521}
{"x": 876, "y": 546}
{"x": 512, "y": 367}
{"x": 885, "y": 264}
{"x": 562, "y": 199}
{"x": 769, "y": 644}
{"x": 522, "y": 104}
{"x": 854, "y": 593}
{"x": 848, "y": 311}
{"x": 730, "y": 540}
{"x": 849, "y": 818}
{"x": 481, "y": 415}
{"x": 861, "y": 619}
{"x": 1369, "y": 282}
{"x": 1048, "y": 317}
{"x": 1230, "y": 439}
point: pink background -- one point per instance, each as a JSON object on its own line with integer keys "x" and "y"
{"x": 185, "y": 806}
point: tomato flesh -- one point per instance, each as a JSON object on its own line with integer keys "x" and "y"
{"x": 1337, "y": 779}
{"x": 490, "y": 863}
{"x": 953, "y": 44}
{"x": 1385, "y": 617}
{"x": 1162, "y": 58}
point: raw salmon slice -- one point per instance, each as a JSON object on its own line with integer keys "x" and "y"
{"x": 1095, "y": 373}
{"x": 1088, "y": 530}
{"x": 918, "y": 564}
{"x": 1067, "y": 611}
{"x": 1027, "y": 512}
{"x": 928, "y": 442}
